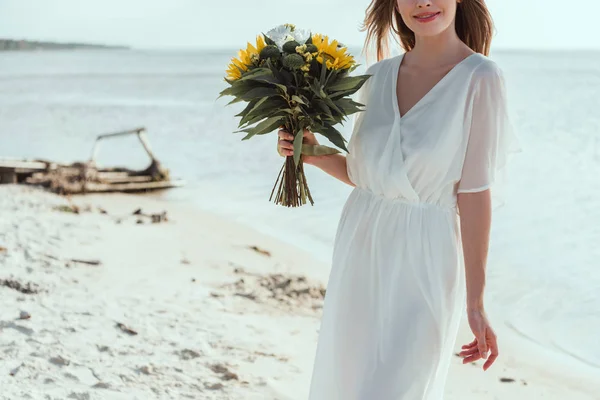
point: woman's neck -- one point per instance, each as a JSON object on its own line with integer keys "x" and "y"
{"x": 433, "y": 51}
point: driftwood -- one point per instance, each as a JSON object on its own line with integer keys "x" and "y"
{"x": 85, "y": 177}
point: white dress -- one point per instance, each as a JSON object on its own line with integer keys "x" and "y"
{"x": 396, "y": 290}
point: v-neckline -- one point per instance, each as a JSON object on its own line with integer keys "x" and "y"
{"x": 422, "y": 99}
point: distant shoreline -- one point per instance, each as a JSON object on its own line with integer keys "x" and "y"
{"x": 27, "y": 45}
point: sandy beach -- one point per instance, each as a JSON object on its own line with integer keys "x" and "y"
{"x": 130, "y": 297}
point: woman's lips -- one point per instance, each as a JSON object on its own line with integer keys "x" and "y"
{"x": 427, "y": 17}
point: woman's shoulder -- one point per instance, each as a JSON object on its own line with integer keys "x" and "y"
{"x": 485, "y": 68}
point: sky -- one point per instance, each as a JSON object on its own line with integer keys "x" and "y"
{"x": 520, "y": 24}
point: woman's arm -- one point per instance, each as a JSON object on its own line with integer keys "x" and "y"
{"x": 333, "y": 164}
{"x": 475, "y": 221}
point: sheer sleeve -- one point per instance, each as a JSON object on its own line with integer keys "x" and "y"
{"x": 361, "y": 96}
{"x": 491, "y": 137}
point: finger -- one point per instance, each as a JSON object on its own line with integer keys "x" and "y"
{"x": 474, "y": 347}
{"x": 482, "y": 345}
{"x": 489, "y": 361}
{"x": 284, "y": 144}
{"x": 283, "y": 134}
{"x": 473, "y": 343}
{"x": 469, "y": 352}
{"x": 472, "y": 358}
{"x": 493, "y": 352}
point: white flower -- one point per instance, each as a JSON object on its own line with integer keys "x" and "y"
{"x": 300, "y": 35}
{"x": 282, "y": 34}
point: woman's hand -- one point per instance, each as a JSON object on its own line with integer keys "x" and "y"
{"x": 485, "y": 339}
{"x": 285, "y": 145}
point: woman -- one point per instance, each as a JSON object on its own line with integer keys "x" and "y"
{"x": 411, "y": 246}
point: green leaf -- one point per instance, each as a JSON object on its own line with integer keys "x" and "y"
{"x": 235, "y": 100}
{"x": 239, "y": 88}
{"x": 298, "y": 99}
{"x": 284, "y": 112}
{"x": 248, "y": 107}
{"x": 321, "y": 106}
{"x": 298, "y": 139}
{"x": 348, "y": 106}
{"x": 323, "y": 71}
{"x": 256, "y": 72}
{"x": 282, "y": 87}
{"x": 309, "y": 40}
{"x": 332, "y": 75}
{"x": 317, "y": 89}
{"x": 259, "y": 92}
{"x": 247, "y": 113}
{"x": 343, "y": 93}
{"x": 272, "y": 80}
{"x": 334, "y": 136}
{"x": 348, "y": 83}
{"x": 269, "y": 40}
{"x": 266, "y": 126}
{"x": 318, "y": 150}
{"x": 332, "y": 105}
{"x": 264, "y": 110}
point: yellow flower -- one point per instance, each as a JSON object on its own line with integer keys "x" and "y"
{"x": 245, "y": 59}
{"x": 334, "y": 57}
{"x": 301, "y": 49}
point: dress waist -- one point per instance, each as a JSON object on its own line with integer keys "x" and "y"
{"x": 406, "y": 201}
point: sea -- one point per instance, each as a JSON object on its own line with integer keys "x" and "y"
{"x": 544, "y": 262}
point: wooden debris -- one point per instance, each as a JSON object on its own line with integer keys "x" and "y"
{"x": 88, "y": 262}
{"x": 250, "y": 296}
{"x": 126, "y": 329}
{"x": 294, "y": 291}
{"x": 259, "y": 250}
{"x": 154, "y": 218}
{"x": 29, "y": 288}
{"x": 68, "y": 208}
{"x": 225, "y": 373}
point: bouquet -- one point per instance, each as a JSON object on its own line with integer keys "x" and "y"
{"x": 295, "y": 80}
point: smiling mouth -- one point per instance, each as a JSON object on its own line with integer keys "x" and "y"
{"x": 427, "y": 16}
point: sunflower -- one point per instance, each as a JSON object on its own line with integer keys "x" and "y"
{"x": 245, "y": 59}
{"x": 335, "y": 55}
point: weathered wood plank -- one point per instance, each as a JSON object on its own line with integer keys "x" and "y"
{"x": 22, "y": 164}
